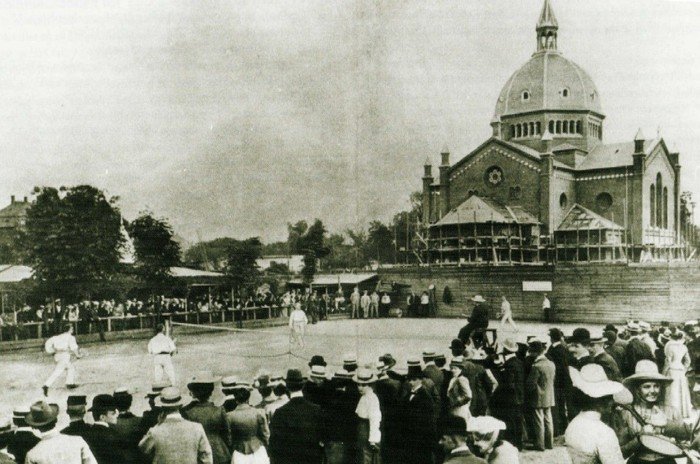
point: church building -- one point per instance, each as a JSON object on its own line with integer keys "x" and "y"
{"x": 546, "y": 186}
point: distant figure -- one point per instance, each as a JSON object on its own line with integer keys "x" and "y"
{"x": 547, "y": 309}
{"x": 374, "y": 305}
{"x": 365, "y": 301}
{"x": 355, "y": 303}
{"x": 412, "y": 303}
{"x": 61, "y": 346}
{"x": 297, "y": 325}
{"x": 424, "y": 304}
{"x": 507, "y": 314}
{"x": 162, "y": 348}
{"x": 478, "y": 320}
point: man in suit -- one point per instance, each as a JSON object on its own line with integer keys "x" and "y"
{"x": 20, "y": 440}
{"x": 507, "y": 399}
{"x": 175, "y": 440}
{"x": 540, "y": 394}
{"x": 431, "y": 371}
{"x": 614, "y": 345}
{"x": 102, "y": 439}
{"x": 479, "y": 320}
{"x": 562, "y": 381}
{"x": 388, "y": 391}
{"x": 636, "y": 348}
{"x": 296, "y": 427}
{"x": 600, "y": 356}
{"x": 150, "y": 416}
{"x": 418, "y": 432}
{"x": 75, "y": 408}
{"x": 128, "y": 426}
{"x": 453, "y": 433}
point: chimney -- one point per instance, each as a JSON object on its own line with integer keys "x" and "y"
{"x": 427, "y": 168}
{"x": 445, "y": 156}
{"x": 12, "y": 199}
{"x": 639, "y": 142}
{"x": 25, "y": 199}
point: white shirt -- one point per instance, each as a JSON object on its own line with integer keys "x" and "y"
{"x": 56, "y": 448}
{"x": 590, "y": 441}
{"x": 61, "y": 343}
{"x": 161, "y": 343}
{"x": 505, "y": 307}
{"x": 368, "y": 408}
{"x": 424, "y": 299}
{"x": 297, "y": 316}
{"x": 546, "y": 304}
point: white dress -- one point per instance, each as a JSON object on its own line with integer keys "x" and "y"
{"x": 677, "y": 362}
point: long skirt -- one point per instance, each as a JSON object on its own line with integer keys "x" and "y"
{"x": 678, "y": 392}
{"x": 258, "y": 457}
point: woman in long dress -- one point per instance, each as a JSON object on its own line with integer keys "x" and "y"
{"x": 677, "y": 364}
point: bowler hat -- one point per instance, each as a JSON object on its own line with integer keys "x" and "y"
{"x": 457, "y": 345}
{"x": 317, "y": 360}
{"x": 76, "y": 402}
{"x": 579, "y": 335}
{"x": 610, "y": 328}
{"x": 41, "y": 413}
{"x": 104, "y": 402}
{"x": 294, "y": 378}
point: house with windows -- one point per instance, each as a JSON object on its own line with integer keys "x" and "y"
{"x": 546, "y": 170}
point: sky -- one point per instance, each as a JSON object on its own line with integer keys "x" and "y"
{"x": 233, "y": 118}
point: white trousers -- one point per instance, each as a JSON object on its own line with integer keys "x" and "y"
{"x": 163, "y": 364}
{"x": 63, "y": 363}
{"x": 258, "y": 457}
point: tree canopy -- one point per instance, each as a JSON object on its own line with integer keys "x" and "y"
{"x": 241, "y": 263}
{"x": 73, "y": 240}
{"x": 156, "y": 250}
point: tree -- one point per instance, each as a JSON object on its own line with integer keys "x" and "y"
{"x": 309, "y": 241}
{"x": 380, "y": 242}
{"x": 156, "y": 251}
{"x": 73, "y": 240}
{"x": 241, "y": 264}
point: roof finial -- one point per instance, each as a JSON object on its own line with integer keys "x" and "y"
{"x": 547, "y": 28}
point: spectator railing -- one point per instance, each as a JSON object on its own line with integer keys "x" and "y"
{"x": 43, "y": 329}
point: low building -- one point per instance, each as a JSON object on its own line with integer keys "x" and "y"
{"x": 295, "y": 263}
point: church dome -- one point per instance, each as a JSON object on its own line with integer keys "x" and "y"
{"x": 548, "y": 81}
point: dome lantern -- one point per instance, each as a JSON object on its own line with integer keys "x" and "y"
{"x": 547, "y": 28}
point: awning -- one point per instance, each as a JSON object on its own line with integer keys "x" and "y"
{"x": 322, "y": 280}
{"x": 13, "y": 273}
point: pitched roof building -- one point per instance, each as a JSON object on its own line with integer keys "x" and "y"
{"x": 548, "y": 153}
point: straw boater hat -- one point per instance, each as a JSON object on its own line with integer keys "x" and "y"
{"x": 645, "y": 371}
{"x": 457, "y": 361}
{"x": 364, "y": 377}
{"x": 156, "y": 388}
{"x": 593, "y": 382}
{"x": 633, "y": 327}
{"x": 350, "y": 360}
{"x": 203, "y": 378}
{"x": 342, "y": 374}
{"x": 478, "y": 299}
{"x": 21, "y": 412}
{"x": 41, "y": 413}
{"x": 170, "y": 397}
{"x": 484, "y": 425}
{"x": 318, "y": 372}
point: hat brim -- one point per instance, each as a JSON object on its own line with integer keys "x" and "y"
{"x": 182, "y": 402}
{"x": 594, "y": 389}
{"x": 645, "y": 377}
{"x": 35, "y": 422}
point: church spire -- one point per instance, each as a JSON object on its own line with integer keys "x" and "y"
{"x": 547, "y": 27}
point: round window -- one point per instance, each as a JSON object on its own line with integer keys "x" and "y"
{"x": 604, "y": 201}
{"x": 563, "y": 200}
{"x": 493, "y": 176}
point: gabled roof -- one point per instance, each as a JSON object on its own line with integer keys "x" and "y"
{"x": 614, "y": 155}
{"x": 580, "y": 218}
{"x": 485, "y": 210}
{"x": 527, "y": 152}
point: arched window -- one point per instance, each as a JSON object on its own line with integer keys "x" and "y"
{"x": 659, "y": 204}
{"x": 563, "y": 201}
{"x": 578, "y": 127}
{"x": 565, "y": 92}
{"x": 519, "y": 131}
{"x": 604, "y": 201}
{"x": 558, "y": 129}
{"x": 525, "y": 131}
{"x": 652, "y": 205}
{"x": 565, "y": 128}
{"x": 512, "y": 131}
{"x": 572, "y": 127}
{"x": 551, "y": 127}
{"x": 538, "y": 128}
{"x": 526, "y": 95}
{"x": 532, "y": 128}
{"x": 664, "y": 200}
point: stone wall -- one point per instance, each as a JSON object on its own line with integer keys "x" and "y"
{"x": 580, "y": 293}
